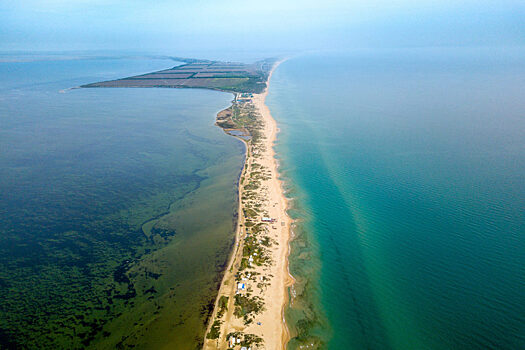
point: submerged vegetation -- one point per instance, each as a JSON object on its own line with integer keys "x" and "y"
{"x": 78, "y": 248}
{"x": 121, "y": 240}
{"x": 95, "y": 254}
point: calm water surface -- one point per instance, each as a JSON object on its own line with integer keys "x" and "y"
{"x": 407, "y": 168}
{"x": 116, "y": 207}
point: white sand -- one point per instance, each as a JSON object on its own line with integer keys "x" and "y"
{"x": 272, "y": 328}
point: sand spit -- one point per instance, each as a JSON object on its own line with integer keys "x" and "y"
{"x": 249, "y": 311}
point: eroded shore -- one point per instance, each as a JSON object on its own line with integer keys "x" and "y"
{"x": 249, "y": 310}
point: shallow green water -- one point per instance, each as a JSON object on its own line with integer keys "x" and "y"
{"x": 116, "y": 207}
{"x": 407, "y": 168}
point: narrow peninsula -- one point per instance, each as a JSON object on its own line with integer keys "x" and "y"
{"x": 195, "y": 73}
{"x": 249, "y": 308}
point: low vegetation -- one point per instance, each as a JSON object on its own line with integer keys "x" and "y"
{"x": 215, "y": 75}
{"x": 215, "y": 330}
{"x": 223, "y": 305}
{"x": 247, "y": 307}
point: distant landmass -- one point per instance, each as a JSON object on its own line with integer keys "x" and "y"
{"x": 206, "y": 74}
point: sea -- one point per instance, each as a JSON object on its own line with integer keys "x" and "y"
{"x": 405, "y": 174}
{"x": 405, "y": 170}
{"x": 117, "y": 206}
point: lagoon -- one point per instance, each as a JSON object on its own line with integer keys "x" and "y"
{"x": 117, "y": 207}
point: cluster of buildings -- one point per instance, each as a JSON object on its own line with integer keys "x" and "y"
{"x": 269, "y": 220}
{"x": 232, "y": 342}
{"x": 241, "y": 286}
{"x": 243, "y": 98}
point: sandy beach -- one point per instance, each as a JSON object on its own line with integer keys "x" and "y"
{"x": 256, "y": 280}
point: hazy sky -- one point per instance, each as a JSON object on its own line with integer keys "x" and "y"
{"x": 173, "y": 26}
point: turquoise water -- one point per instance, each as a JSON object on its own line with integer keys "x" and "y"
{"x": 407, "y": 168}
{"x": 116, "y": 207}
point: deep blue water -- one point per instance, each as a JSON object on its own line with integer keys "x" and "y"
{"x": 408, "y": 168}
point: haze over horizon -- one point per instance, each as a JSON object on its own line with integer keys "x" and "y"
{"x": 270, "y": 26}
{"x": 160, "y": 193}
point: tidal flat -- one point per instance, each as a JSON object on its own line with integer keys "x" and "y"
{"x": 116, "y": 209}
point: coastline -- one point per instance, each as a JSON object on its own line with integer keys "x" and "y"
{"x": 288, "y": 279}
{"x": 250, "y": 304}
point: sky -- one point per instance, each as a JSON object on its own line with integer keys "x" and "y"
{"x": 269, "y": 25}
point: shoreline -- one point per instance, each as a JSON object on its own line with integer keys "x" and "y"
{"x": 249, "y": 317}
{"x": 288, "y": 277}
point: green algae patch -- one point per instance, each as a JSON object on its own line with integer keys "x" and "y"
{"x": 117, "y": 235}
